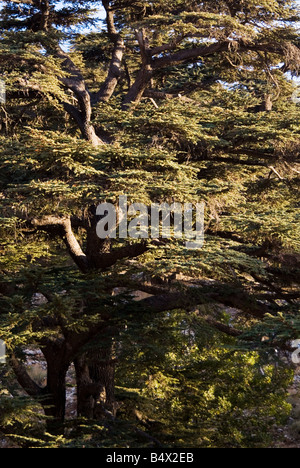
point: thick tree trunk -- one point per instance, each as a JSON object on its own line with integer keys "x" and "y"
{"x": 53, "y": 396}
{"x": 54, "y": 403}
{"x": 95, "y": 376}
{"x": 87, "y": 393}
{"x": 88, "y": 132}
{"x": 58, "y": 360}
{"x": 102, "y": 372}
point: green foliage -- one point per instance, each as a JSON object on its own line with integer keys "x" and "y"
{"x": 195, "y": 392}
{"x": 206, "y": 137}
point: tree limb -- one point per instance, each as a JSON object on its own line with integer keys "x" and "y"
{"x": 75, "y": 82}
{"x": 114, "y": 72}
{"x": 23, "y": 377}
{"x": 96, "y": 259}
{"x": 106, "y": 260}
{"x": 189, "y": 54}
{"x": 230, "y": 331}
{"x": 145, "y": 74}
{"x": 66, "y": 232}
{"x": 275, "y": 172}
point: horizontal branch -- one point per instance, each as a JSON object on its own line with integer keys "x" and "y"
{"x": 170, "y": 46}
{"x": 192, "y": 297}
{"x": 107, "y": 260}
{"x": 230, "y": 331}
{"x": 217, "y": 47}
{"x": 189, "y": 54}
{"x": 155, "y": 94}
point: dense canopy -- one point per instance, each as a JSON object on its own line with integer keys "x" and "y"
{"x": 161, "y": 101}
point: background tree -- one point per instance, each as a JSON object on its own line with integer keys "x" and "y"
{"x": 170, "y": 101}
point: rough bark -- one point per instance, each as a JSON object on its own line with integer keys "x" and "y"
{"x": 45, "y": 15}
{"x": 99, "y": 254}
{"x": 54, "y": 401}
{"x": 64, "y": 230}
{"x": 75, "y": 82}
{"x": 53, "y": 396}
{"x": 115, "y": 67}
{"x": 144, "y": 76}
{"x": 87, "y": 392}
{"x": 102, "y": 372}
{"x": 140, "y": 85}
{"x": 95, "y": 377}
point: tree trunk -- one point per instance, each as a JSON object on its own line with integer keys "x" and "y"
{"x": 95, "y": 376}
{"x": 89, "y": 134}
{"x": 54, "y": 403}
{"x": 102, "y": 372}
{"x": 87, "y": 393}
{"x": 53, "y": 396}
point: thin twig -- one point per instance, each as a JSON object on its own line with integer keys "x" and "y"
{"x": 276, "y": 172}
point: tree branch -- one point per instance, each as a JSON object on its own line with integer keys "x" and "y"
{"x": 76, "y": 83}
{"x": 192, "y": 297}
{"x": 275, "y": 172}
{"x": 145, "y": 74}
{"x": 114, "y": 72}
{"x": 189, "y": 54}
{"x": 230, "y": 331}
{"x": 170, "y": 46}
{"x": 113, "y": 76}
{"x": 107, "y": 260}
{"x": 23, "y": 378}
{"x": 97, "y": 258}
{"x": 145, "y": 50}
{"x": 66, "y": 232}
